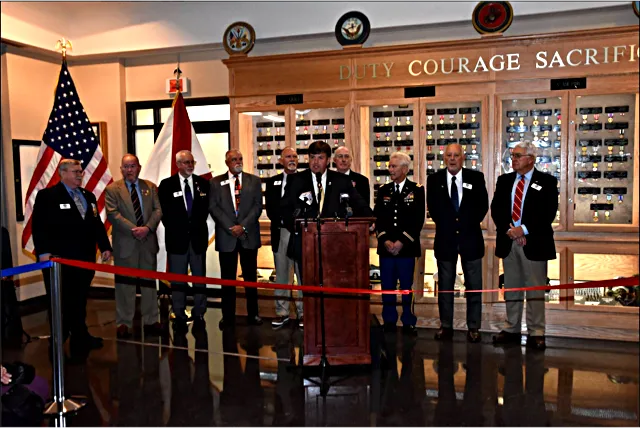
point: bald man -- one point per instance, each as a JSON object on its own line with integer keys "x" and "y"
{"x": 285, "y": 265}
{"x": 457, "y": 201}
{"x": 343, "y": 161}
{"x": 133, "y": 208}
{"x": 235, "y": 203}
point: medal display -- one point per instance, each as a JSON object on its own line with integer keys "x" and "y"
{"x": 540, "y": 123}
{"x": 603, "y": 159}
{"x": 325, "y": 124}
{"x": 391, "y": 131}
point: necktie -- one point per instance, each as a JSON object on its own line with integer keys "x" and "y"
{"x": 517, "y": 200}
{"x": 188, "y": 196}
{"x": 320, "y": 197}
{"x": 136, "y": 205}
{"x": 237, "y": 192}
{"x": 78, "y": 201}
{"x": 455, "y": 200}
{"x": 397, "y": 189}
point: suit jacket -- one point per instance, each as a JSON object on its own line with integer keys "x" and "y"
{"x": 400, "y": 218}
{"x": 59, "y": 229}
{"x": 539, "y": 210}
{"x": 458, "y": 232}
{"x": 222, "y": 211}
{"x": 181, "y": 229}
{"x": 361, "y": 183}
{"x": 123, "y": 218}
{"x": 273, "y": 200}
{"x": 293, "y": 206}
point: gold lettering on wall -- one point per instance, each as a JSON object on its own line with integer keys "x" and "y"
{"x": 365, "y": 70}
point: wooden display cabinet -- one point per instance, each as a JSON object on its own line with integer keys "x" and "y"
{"x": 561, "y": 72}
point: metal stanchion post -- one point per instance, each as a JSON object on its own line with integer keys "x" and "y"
{"x": 59, "y": 405}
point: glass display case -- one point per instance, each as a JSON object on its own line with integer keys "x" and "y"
{"x": 325, "y": 124}
{"x": 596, "y": 267}
{"x": 431, "y": 277}
{"x": 538, "y": 120}
{"x": 604, "y": 161}
{"x": 392, "y": 129}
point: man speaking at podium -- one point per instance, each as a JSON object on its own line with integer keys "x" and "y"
{"x": 319, "y": 192}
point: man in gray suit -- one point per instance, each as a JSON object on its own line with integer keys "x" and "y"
{"x": 235, "y": 205}
{"x": 133, "y": 208}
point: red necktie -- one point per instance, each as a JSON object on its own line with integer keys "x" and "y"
{"x": 517, "y": 201}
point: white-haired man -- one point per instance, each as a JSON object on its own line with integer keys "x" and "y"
{"x": 399, "y": 211}
{"x": 523, "y": 209}
{"x": 184, "y": 198}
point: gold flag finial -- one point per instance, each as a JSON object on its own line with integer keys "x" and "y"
{"x": 63, "y": 45}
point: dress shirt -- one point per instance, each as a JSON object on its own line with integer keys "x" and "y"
{"x": 527, "y": 181}
{"x": 193, "y": 191}
{"x": 315, "y": 184}
{"x": 458, "y": 177}
{"x": 232, "y": 188}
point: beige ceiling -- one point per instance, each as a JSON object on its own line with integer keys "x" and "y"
{"x": 105, "y": 27}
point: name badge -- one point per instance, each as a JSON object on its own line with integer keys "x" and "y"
{"x": 467, "y": 186}
{"x": 277, "y": 183}
{"x": 536, "y": 186}
{"x": 177, "y": 194}
{"x": 306, "y": 197}
{"x": 65, "y": 206}
{"x": 224, "y": 183}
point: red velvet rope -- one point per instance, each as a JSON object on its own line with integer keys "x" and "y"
{"x": 175, "y": 277}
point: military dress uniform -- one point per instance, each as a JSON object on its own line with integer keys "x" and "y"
{"x": 400, "y": 213}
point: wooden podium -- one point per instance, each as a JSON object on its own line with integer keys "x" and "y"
{"x": 345, "y": 263}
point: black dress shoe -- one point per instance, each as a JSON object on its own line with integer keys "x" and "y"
{"x": 504, "y": 338}
{"x": 254, "y": 320}
{"x": 536, "y": 342}
{"x": 473, "y": 335}
{"x": 224, "y": 323}
{"x": 445, "y": 333}
{"x": 390, "y": 327}
{"x": 410, "y": 330}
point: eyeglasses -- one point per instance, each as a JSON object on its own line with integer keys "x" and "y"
{"x": 519, "y": 155}
{"x": 188, "y": 162}
{"x": 76, "y": 171}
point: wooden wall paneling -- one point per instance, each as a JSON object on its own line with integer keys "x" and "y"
{"x": 566, "y": 168}
{"x": 636, "y": 164}
{"x": 486, "y": 143}
{"x": 361, "y": 133}
{"x": 234, "y": 126}
{"x": 255, "y": 103}
{"x": 373, "y": 96}
{"x": 564, "y": 274}
{"x": 419, "y": 145}
{"x": 245, "y": 141}
{"x": 290, "y": 126}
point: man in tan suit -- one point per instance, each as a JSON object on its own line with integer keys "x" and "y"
{"x": 133, "y": 208}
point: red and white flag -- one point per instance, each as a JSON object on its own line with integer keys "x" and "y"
{"x": 176, "y": 134}
{"x": 69, "y": 135}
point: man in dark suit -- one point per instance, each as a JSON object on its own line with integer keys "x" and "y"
{"x": 133, "y": 208}
{"x": 399, "y": 212}
{"x": 280, "y": 235}
{"x": 523, "y": 208}
{"x": 184, "y": 198}
{"x": 66, "y": 223}
{"x": 318, "y": 192}
{"x": 235, "y": 203}
{"x": 343, "y": 165}
{"x": 457, "y": 200}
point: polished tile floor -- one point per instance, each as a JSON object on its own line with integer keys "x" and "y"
{"x": 252, "y": 377}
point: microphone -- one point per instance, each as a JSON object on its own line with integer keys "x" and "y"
{"x": 344, "y": 199}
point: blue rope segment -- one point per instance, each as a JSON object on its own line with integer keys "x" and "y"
{"x": 25, "y": 268}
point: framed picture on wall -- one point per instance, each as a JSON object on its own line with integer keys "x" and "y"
{"x": 25, "y": 156}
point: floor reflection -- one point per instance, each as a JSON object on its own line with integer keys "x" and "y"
{"x": 251, "y": 376}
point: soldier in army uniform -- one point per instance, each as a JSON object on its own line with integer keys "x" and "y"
{"x": 400, "y": 213}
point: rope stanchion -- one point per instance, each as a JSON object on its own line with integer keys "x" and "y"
{"x": 59, "y": 406}
{"x": 174, "y": 277}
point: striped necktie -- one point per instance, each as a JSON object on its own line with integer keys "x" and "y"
{"x": 517, "y": 200}
{"x": 237, "y": 192}
{"x": 137, "y": 209}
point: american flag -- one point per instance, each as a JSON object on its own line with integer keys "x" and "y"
{"x": 69, "y": 135}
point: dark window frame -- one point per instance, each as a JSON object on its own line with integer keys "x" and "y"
{"x": 208, "y": 127}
